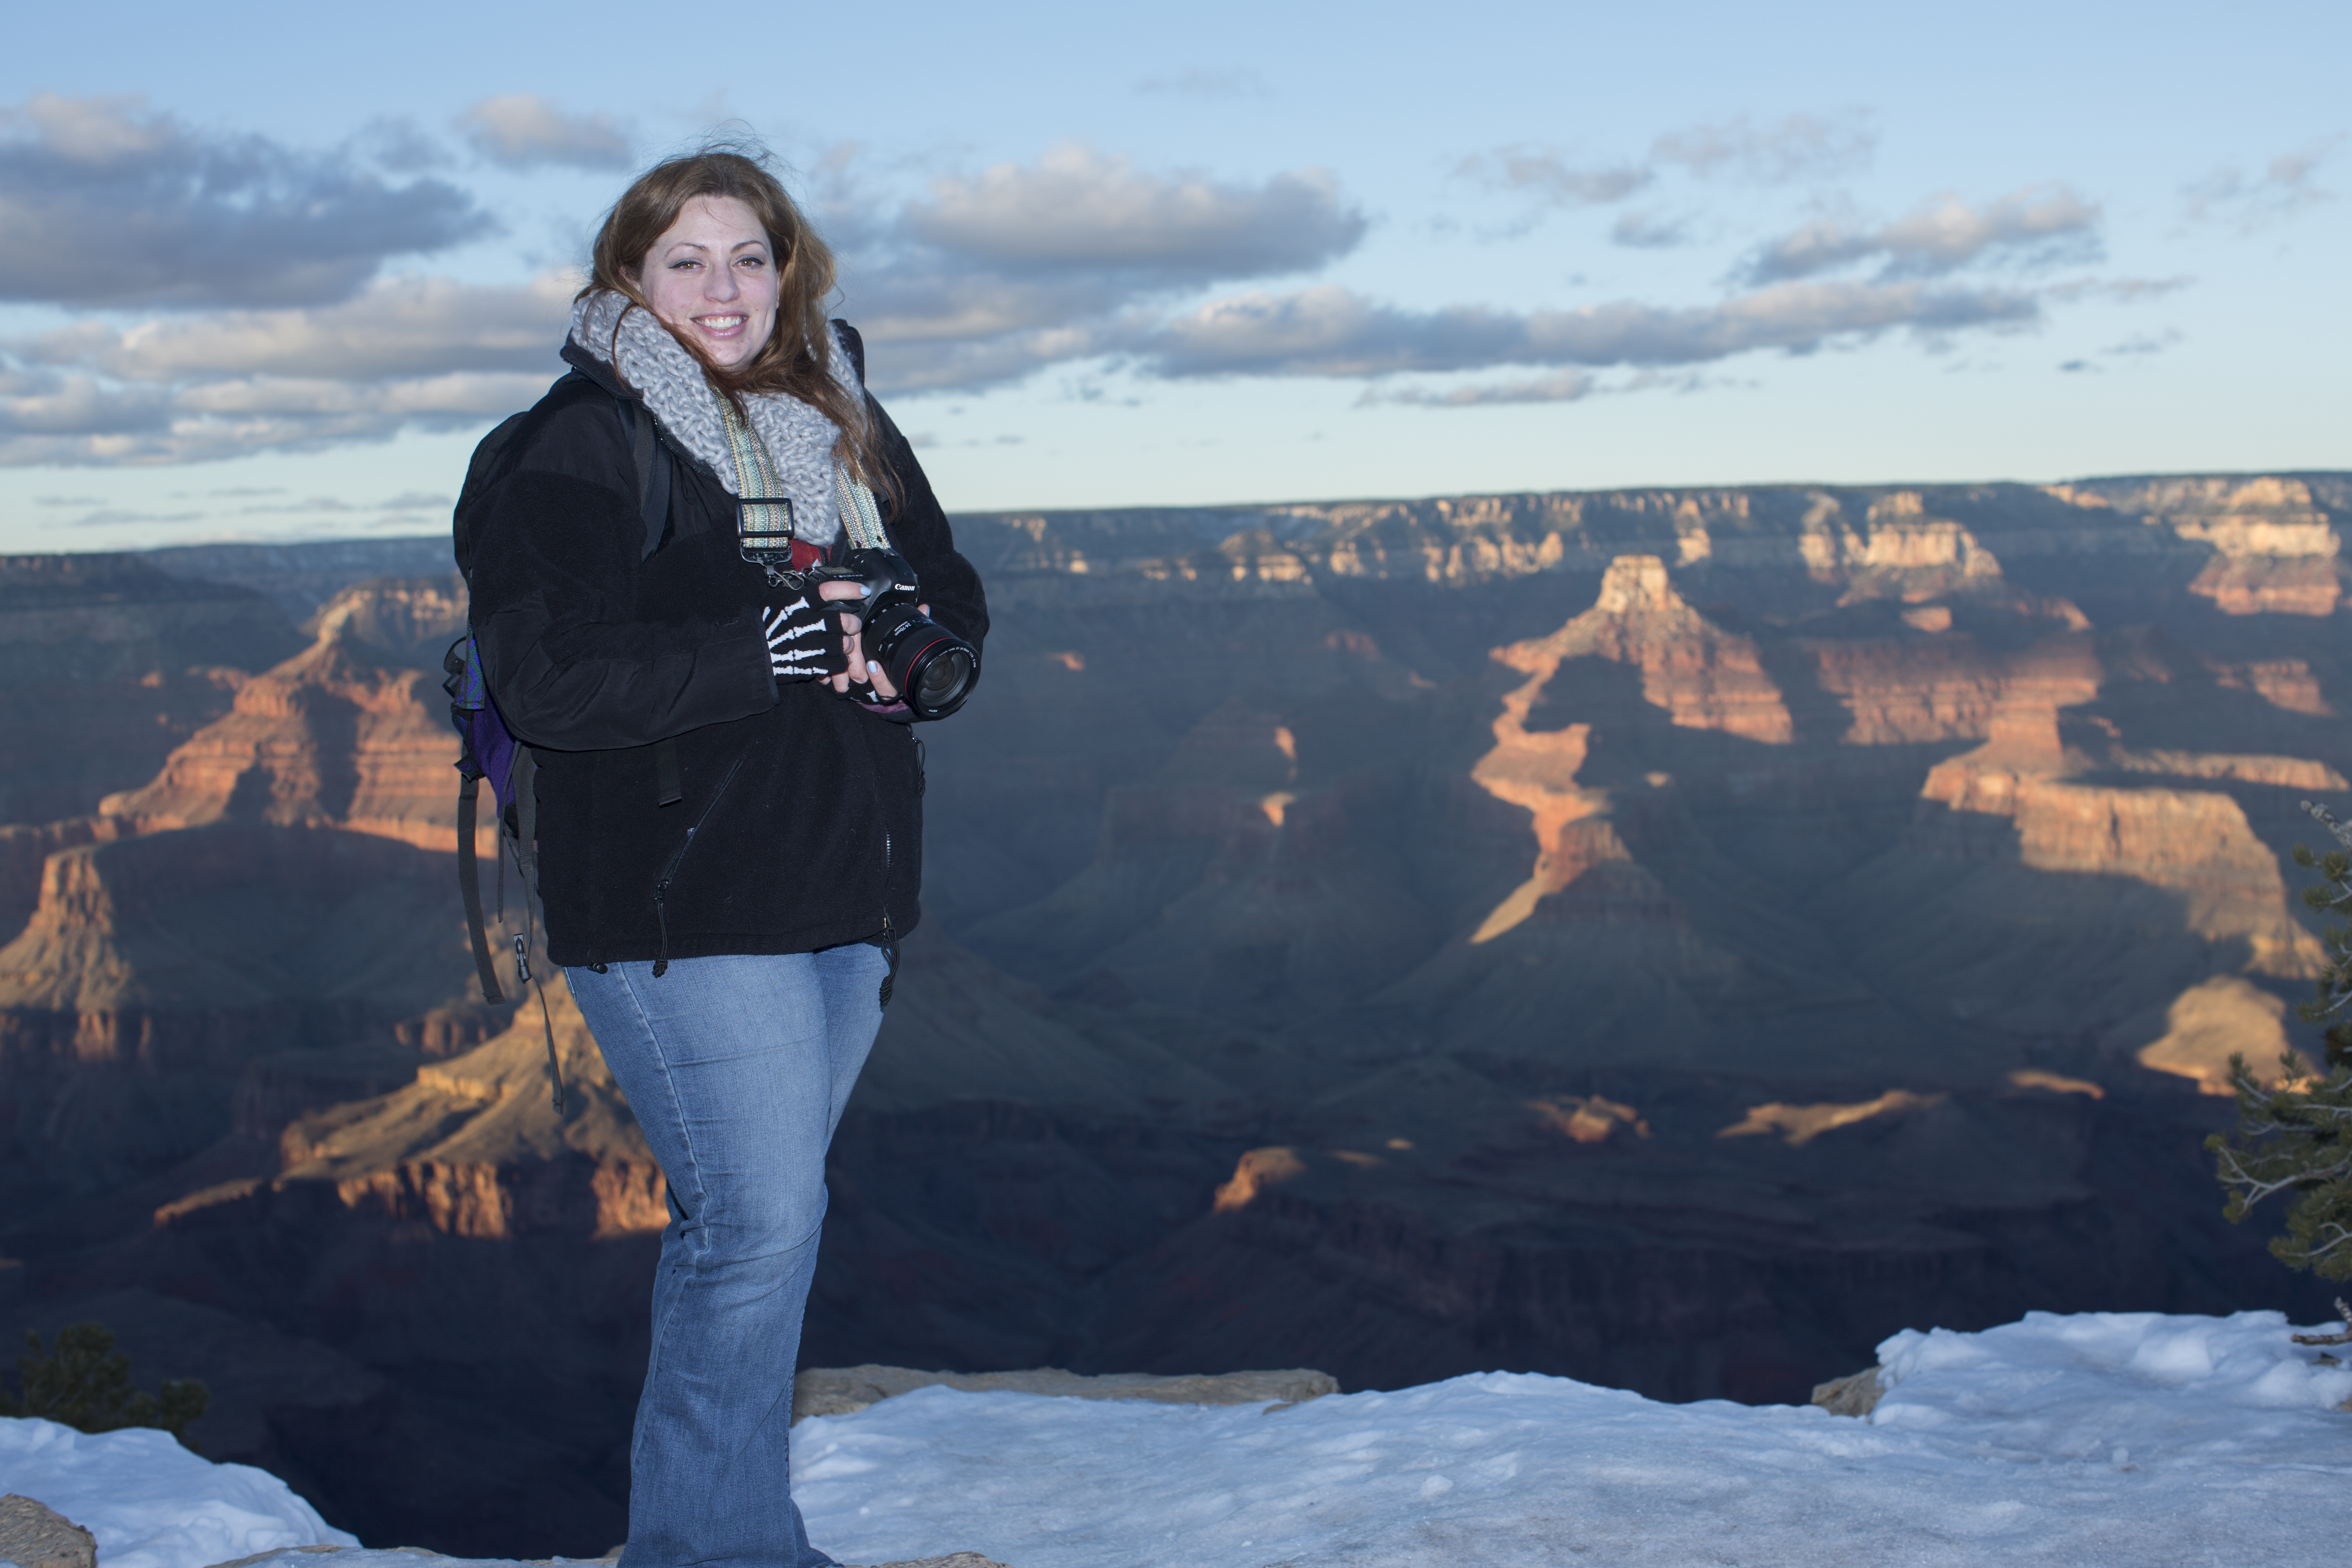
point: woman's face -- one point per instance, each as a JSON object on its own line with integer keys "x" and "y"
{"x": 712, "y": 279}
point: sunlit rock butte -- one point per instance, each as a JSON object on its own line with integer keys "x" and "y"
{"x": 1670, "y": 938}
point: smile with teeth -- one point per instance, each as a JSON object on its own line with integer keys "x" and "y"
{"x": 720, "y": 324}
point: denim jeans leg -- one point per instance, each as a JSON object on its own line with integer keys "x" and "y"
{"x": 736, "y": 1068}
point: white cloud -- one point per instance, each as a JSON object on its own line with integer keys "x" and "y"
{"x": 1329, "y": 331}
{"x": 80, "y": 424}
{"x": 153, "y": 213}
{"x": 400, "y": 326}
{"x": 2249, "y": 199}
{"x": 1568, "y": 386}
{"x": 1076, "y": 210}
{"x": 2038, "y": 223}
{"x": 1547, "y": 174}
{"x": 522, "y": 131}
{"x": 991, "y": 276}
{"x": 1797, "y": 147}
{"x": 410, "y": 353}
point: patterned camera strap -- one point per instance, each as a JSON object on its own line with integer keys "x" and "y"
{"x": 756, "y": 481}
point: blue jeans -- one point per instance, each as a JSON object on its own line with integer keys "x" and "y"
{"x": 738, "y": 1070}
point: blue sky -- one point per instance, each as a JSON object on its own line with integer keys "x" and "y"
{"x": 265, "y": 271}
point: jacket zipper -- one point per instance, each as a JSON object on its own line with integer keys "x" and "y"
{"x": 669, "y": 872}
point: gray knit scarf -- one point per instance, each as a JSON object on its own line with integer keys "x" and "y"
{"x": 799, "y": 438}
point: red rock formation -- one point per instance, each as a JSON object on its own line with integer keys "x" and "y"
{"x": 413, "y": 619}
{"x": 155, "y": 969}
{"x": 2196, "y": 843}
{"x": 2274, "y": 546}
{"x": 110, "y": 664}
{"x": 333, "y": 737}
{"x": 1706, "y": 677}
{"x": 1950, "y": 688}
{"x": 474, "y": 1146}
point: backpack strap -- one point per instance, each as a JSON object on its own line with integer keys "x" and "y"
{"x": 652, "y": 475}
{"x": 469, "y": 883}
{"x": 521, "y": 833}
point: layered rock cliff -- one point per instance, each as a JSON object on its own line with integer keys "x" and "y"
{"x": 337, "y": 736}
{"x": 111, "y": 663}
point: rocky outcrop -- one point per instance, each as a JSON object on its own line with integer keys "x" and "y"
{"x": 1705, "y": 677}
{"x": 111, "y": 664}
{"x": 2211, "y": 1023}
{"x": 474, "y": 1146}
{"x": 335, "y": 736}
{"x": 157, "y": 970}
{"x": 1702, "y": 678}
{"x": 409, "y": 620}
{"x": 2274, "y": 543}
{"x": 34, "y": 1536}
{"x": 1857, "y": 1393}
{"x": 846, "y": 1390}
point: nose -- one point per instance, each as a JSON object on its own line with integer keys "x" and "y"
{"x": 723, "y": 284}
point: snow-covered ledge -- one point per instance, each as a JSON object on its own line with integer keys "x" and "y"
{"x": 2093, "y": 1439}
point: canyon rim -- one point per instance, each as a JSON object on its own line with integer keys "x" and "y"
{"x": 1673, "y": 939}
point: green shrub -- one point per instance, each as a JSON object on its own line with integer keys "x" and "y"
{"x": 2295, "y": 1135}
{"x": 84, "y": 1383}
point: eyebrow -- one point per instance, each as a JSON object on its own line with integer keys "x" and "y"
{"x": 697, "y": 245}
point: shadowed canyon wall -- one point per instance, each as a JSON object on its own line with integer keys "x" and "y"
{"x": 1669, "y": 938}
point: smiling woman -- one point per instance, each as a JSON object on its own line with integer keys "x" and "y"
{"x": 728, "y": 822}
{"x": 712, "y": 281}
{"x": 702, "y": 241}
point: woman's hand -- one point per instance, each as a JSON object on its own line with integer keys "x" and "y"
{"x": 859, "y": 672}
{"x": 802, "y": 640}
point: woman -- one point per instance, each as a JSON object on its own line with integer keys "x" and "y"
{"x": 728, "y": 829}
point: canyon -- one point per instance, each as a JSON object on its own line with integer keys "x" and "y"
{"x": 1671, "y": 938}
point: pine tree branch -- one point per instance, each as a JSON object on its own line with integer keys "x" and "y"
{"x": 2344, "y": 1338}
{"x": 2327, "y": 819}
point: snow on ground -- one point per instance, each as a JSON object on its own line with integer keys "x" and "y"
{"x": 150, "y": 1502}
{"x": 2086, "y": 1442}
{"x": 2101, "y": 1439}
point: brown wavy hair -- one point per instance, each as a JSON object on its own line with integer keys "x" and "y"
{"x": 796, "y": 360}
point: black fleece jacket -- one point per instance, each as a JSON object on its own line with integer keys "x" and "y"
{"x": 801, "y": 826}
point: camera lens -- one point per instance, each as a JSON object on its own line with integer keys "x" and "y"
{"x": 940, "y": 685}
{"x": 936, "y": 668}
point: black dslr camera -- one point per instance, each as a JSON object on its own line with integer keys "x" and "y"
{"x": 931, "y": 666}
{"x": 933, "y": 669}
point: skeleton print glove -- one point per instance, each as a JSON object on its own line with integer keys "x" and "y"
{"x": 805, "y": 640}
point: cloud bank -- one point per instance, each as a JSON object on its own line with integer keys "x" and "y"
{"x": 417, "y": 353}
{"x": 106, "y": 203}
{"x": 2041, "y": 224}
{"x": 1331, "y": 332}
{"x": 979, "y": 279}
